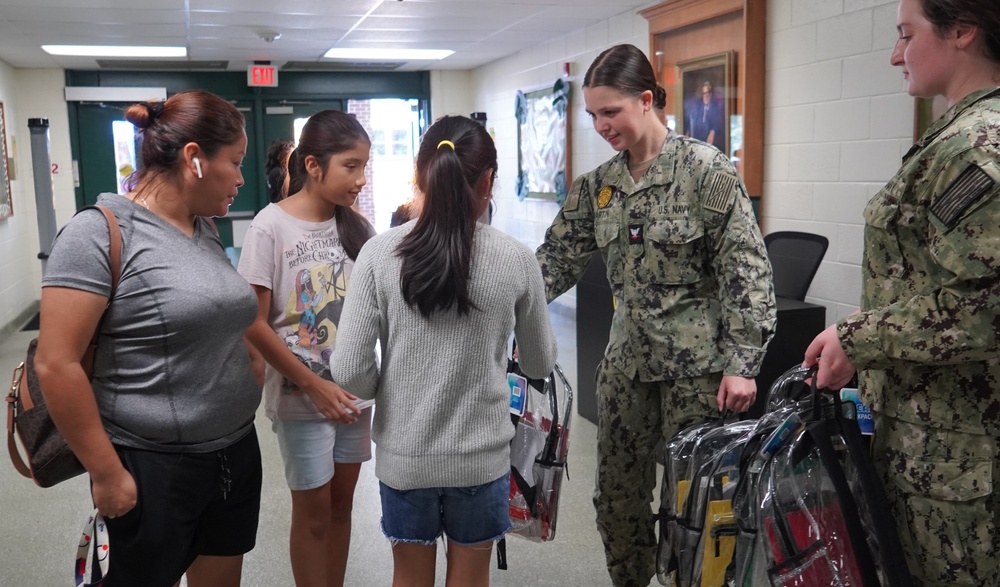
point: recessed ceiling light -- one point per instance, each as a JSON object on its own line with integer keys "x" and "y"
{"x": 114, "y": 51}
{"x": 388, "y": 54}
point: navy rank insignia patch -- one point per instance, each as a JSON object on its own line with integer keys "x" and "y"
{"x": 635, "y": 234}
{"x": 965, "y": 190}
{"x": 604, "y": 196}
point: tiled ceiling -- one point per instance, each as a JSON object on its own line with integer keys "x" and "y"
{"x": 236, "y": 31}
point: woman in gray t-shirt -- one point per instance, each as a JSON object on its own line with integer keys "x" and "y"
{"x": 165, "y": 425}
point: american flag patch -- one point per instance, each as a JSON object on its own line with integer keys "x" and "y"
{"x": 720, "y": 193}
{"x": 963, "y": 192}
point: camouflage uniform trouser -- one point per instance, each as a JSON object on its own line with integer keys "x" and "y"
{"x": 944, "y": 490}
{"x": 632, "y": 416}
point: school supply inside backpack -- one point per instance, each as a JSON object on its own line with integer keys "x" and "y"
{"x": 541, "y": 411}
{"x": 49, "y": 458}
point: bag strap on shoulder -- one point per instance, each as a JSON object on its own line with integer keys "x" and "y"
{"x": 114, "y": 246}
{"x": 17, "y": 384}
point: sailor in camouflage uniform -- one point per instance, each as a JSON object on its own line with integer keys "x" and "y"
{"x": 926, "y": 338}
{"x": 692, "y": 287}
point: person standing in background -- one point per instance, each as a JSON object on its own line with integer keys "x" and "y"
{"x": 925, "y": 340}
{"x": 276, "y": 169}
{"x": 695, "y": 305}
{"x": 441, "y": 295}
{"x": 298, "y": 255}
{"x": 165, "y": 427}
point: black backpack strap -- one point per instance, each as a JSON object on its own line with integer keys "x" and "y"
{"x": 890, "y": 549}
{"x": 502, "y": 554}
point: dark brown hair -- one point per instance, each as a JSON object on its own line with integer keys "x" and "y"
{"x": 324, "y": 135}
{"x": 194, "y": 116}
{"x": 626, "y": 69}
{"x": 437, "y": 253}
{"x": 983, "y": 14}
{"x": 276, "y": 168}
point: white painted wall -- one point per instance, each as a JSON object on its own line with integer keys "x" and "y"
{"x": 19, "y": 271}
{"x": 838, "y": 122}
{"x": 450, "y": 93}
{"x": 30, "y": 93}
{"x": 495, "y": 87}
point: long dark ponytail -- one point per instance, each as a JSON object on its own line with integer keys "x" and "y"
{"x": 454, "y": 155}
{"x": 324, "y": 135}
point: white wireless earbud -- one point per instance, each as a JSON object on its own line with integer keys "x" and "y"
{"x": 197, "y": 166}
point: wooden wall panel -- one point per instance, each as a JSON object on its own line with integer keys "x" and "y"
{"x": 723, "y": 33}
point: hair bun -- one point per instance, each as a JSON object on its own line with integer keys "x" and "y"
{"x": 155, "y": 110}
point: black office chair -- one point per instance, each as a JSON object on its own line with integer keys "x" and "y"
{"x": 795, "y": 258}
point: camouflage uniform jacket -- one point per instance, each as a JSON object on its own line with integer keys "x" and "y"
{"x": 685, "y": 259}
{"x": 926, "y": 339}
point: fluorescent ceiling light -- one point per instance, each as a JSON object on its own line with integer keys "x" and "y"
{"x": 387, "y": 54}
{"x": 114, "y": 51}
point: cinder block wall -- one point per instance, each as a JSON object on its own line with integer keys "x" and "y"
{"x": 838, "y": 122}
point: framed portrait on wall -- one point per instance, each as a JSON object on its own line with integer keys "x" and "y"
{"x": 704, "y": 99}
{"x": 6, "y": 203}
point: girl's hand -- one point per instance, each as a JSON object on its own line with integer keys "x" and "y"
{"x": 334, "y": 402}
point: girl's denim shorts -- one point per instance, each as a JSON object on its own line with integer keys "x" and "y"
{"x": 467, "y": 515}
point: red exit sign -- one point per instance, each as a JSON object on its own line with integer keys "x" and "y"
{"x": 262, "y": 75}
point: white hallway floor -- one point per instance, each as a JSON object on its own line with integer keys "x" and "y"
{"x": 41, "y": 526}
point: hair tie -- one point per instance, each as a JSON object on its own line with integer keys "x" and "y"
{"x": 154, "y": 111}
{"x": 449, "y": 143}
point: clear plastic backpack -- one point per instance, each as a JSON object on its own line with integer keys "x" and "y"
{"x": 538, "y": 451}
{"x": 812, "y": 510}
{"x": 697, "y": 524}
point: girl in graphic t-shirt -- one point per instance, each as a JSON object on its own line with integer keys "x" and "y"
{"x": 297, "y": 255}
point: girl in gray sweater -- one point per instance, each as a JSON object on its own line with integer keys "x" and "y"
{"x": 442, "y": 294}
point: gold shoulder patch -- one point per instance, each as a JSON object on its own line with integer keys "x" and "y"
{"x": 965, "y": 190}
{"x": 604, "y": 196}
{"x": 721, "y": 192}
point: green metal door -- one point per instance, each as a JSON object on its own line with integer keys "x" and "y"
{"x": 280, "y": 116}
{"x": 95, "y": 151}
{"x": 95, "y": 159}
